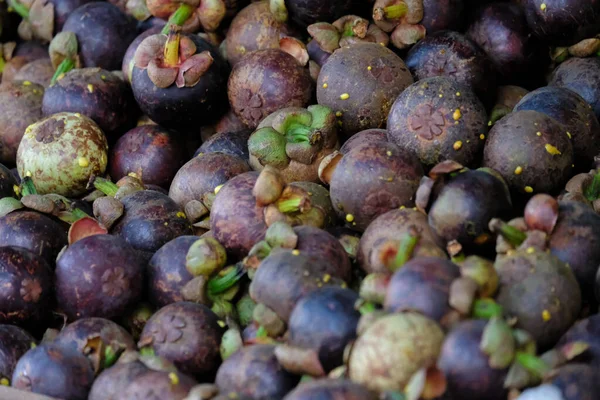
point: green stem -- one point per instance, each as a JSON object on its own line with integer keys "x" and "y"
{"x": 366, "y": 308}
{"x": 395, "y": 11}
{"x": 171, "y": 51}
{"x": 289, "y": 206}
{"x": 147, "y": 351}
{"x": 2, "y": 63}
{"x": 65, "y": 66}
{"x": 78, "y": 213}
{"x": 179, "y": 17}
{"x": 110, "y": 356}
{"x": 27, "y": 186}
{"x": 592, "y": 192}
{"x": 486, "y": 309}
{"x": 514, "y": 236}
{"x": 106, "y": 186}
{"x": 19, "y": 8}
{"x": 460, "y": 257}
{"x": 220, "y": 284}
{"x": 405, "y": 251}
{"x": 532, "y": 364}
{"x": 261, "y": 332}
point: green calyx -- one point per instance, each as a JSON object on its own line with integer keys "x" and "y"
{"x": 65, "y": 66}
{"x": 27, "y": 186}
{"x": 486, "y": 309}
{"x": 228, "y": 278}
{"x": 19, "y": 8}
{"x": 268, "y": 146}
{"x": 105, "y": 186}
{"x": 511, "y": 234}
{"x": 278, "y": 9}
{"x": 592, "y": 192}
{"x": 179, "y": 17}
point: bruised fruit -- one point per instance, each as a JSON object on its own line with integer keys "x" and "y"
{"x": 254, "y": 371}
{"x": 98, "y": 276}
{"x": 438, "y": 119}
{"x": 61, "y": 153}
{"x": 26, "y": 282}
{"x": 295, "y": 141}
{"x": 360, "y": 83}
{"x": 187, "y": 334}
{"x": 372, "y": 179}
{"x": 21, "y": 106}
{"x": 95, "y": 93}
{"x": 265, "y": 81}
{"x": 531, "y": 151}
{"x": 14, "y": 342}
{"x": 151, "y": 152}
{"x": 53, "y": 370}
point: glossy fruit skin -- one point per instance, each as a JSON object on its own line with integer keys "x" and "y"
{"x": 570, "y": 109}
{"x": 188, "y": 335}
{"x": 441, "y": 15}
{"x": 580, "y": 75}
{"x": 159, "y": 384}
{"x": 331, "y": 389}
{"x": 98, "y": 276}
{"x": 33, "y": 231}
{"x": 14, "y": 342}
{"x": 61, "y": 153}
{"x": 76, "y": 334}
{"x": 372, "y": 179}
{"x": 167, "y": 273}
{"x": 150, "y": 220}
{"x": 113, "y": 381}
{"x": 586, "y": 330}
{"x": 95, "y": 93}
{"x": 453, "y": 55}
{"x": 185, "y": 109}
{"x": 371, "y": 92}
{"x": 253, "y": 371}
{"x": 151, "y": 152}
{"x": 62, "y": 10}
{"x": 563, "y": 23}
{"x": 26, "y": 287}
{"x": 232, "y": 143}
{"x": 55, "y": 371}
{"x": 265, "y": 81}
{"x": 202, "y": 174}
{"x": 326, "y": 321}
{"x": 466, "y": 367}
{"x": 104, "y": 20}
{"x": 424, "y": 121}
{"x": 364, "y": 137}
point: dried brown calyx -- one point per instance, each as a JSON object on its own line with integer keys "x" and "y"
{"x": 346, "y": 31}
{"x": 584, "y": 188}
{"x": 38, "y": 19}
{"x": 402, "y": 19}
{"x": 172, "y": 59}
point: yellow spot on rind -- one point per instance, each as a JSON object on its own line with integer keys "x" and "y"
{"x": 457, "y": 145}
{"x": 344, "y": 96}
{"x": 528, "y": 189}
{"x": 546, "y": 315}
{"x": 457, "y": 114}
{"x": 349, "y": 217}
{"x": 552, "y": 150}
{"x": 83, "y": 162}
{"x": 518, "y": 170}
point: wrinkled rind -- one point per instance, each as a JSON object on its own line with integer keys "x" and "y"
{"x": 21, "y": 106}
{"x": 55, "y": 165}
{"x": 150, "y": 220}
{"x": 429, "y": 127}
{"x": 95, "y": 93}
{"x": 192, "y": 337}
{"x": 371, "y": 92}
{"x": 202, "y": 174}
{"x": 266, "y": 81}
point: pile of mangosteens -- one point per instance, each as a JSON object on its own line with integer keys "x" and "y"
{"x": 300, "y": 199}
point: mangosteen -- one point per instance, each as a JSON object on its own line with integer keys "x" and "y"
{"x": 258, "y": 26}
{"x": 99, "y": 339}
{"x": 26, "y": 283}
{"x": 112, "y": 382}
{"x": 443, "y": 15}
{"x": 570, "y": 109}
{"x": 580, "y": 75}
{"x": 452, "y": 55}
{"x": 569, "y": 382}
{"x": 95, "y": 93}
{"x": 128, "y": 58}
{"x": 339, "y": 389}
{"x": 402, "y": 20}
{"x": 158, "y": 385}
{"x": 295, "y": 141}
{"x": 21, "y": 105}
{"x": 560, "y": 23}
{"x": 507, "y": 98}
{"x": 325, "y": 321}
{"x": 586, "y": 331}
{"x": 372, "y": 179}
{"x": 234, "y": 143}
{"x": 98, "y": 276}
{"x": 501, "y": 30}
{"x": 363, "y": 137}
{"x": 7, "y": 182}
{"x": 460, "y": 202}
{"x": 99, "y": 19}
{"x": 188, "y": 335}
{"x": 359, "y": 83}
{"x": 384, "y": 235}
{"x": 265, "y": 81}
{"x": 33, "y": 231}
{"x": 202, "y": 174}
{"x": 191, "y": 16}
{"x": 254, "y": 371}
{"x": 531, "y": 151}
{"x": 37, "y": 71}
{"x": 54, "y": 370}
{"x": 285, "y": 276}
{"x": 306, "y": 12}
{"x": 180, "y": 88}
{"x": 61, "y": 153}
{"x": 152, "y": 153}
{"x": 393, "y": 348}
{"x": 14, "y": 342}
{"x": 438, "y": 119}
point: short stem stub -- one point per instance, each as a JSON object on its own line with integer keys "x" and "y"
{"x": 592, "y": 192}
{"x": 220, "y": 284}
{"x": 27, "y": 187}
{"x": 105, "y": 186}
{"x": 179, "y": 17}
{"x": 171, "y": 52}
{"x": 511, "y": 234}
{"x": 486, "y": 309}
{"x": 405, "y": 251}
{"x": 19, "y": 8}
{"x": 65, "y": 66}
